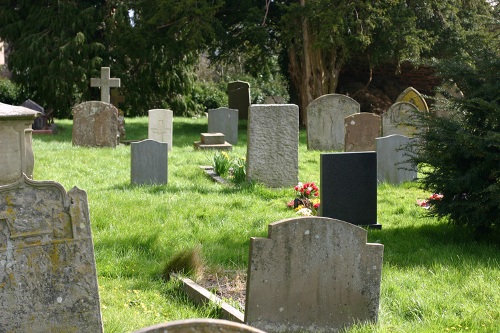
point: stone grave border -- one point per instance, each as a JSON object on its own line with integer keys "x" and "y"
{"x": 209, "y": 170}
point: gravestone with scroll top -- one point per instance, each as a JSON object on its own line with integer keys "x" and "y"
{"x": 325, "y": 121}
{"x": 48, "y": 280}
{"x": 312, "y": 274}
{"x": 160, "y": 123}
{"x": 398, "y": 119}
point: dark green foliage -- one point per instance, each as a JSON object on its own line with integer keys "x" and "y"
{"x": 462, "y": 152}
{"x": 9, "y": 92}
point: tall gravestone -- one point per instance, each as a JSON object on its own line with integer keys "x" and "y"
{"x": 312, "y": 274}
{"x": 95, "y": 124}
{"x": 325, "y": 121}
{"x": 239, "y": 97}
{"x": 273, "y": 144}
{"x": 349, "y": 187}
{"x": 149, "y": 162}
{"x": 398, "y": 119}
{"x": 16, "y": 151}
{"x": 361, "y": 129}
{"x": 393, "y": 166}
{"x": 225, "y": 121}
{"x": 48, "y": 278}
{"x": 160, "y": 125}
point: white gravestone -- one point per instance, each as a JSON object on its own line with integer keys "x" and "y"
{"x": 160, "y": 123}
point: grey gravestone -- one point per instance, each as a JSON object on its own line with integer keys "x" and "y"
{"x": 95, "y": 124}
{"x": 392, "y": 160}
{"x": 239, "y": 97}
{"x": 349, "y": 187}
{"x": 398, "y": 119}
{"x": 160, "y": 125}
{"x": 40, "y": 122}
{"x": 361, "y": 129}
{"x": 224, "y": 120}
{"x": 149, "y": 162}
{"x": 312, "y": 274}
{"x": 105, "y": 82}
{"x": 16, "y": 149}
{"x": 200, "y": 326}
{"x": 325, "y": 121}
{"x": 47, "y": 267}
{"x": 273, "y": 144}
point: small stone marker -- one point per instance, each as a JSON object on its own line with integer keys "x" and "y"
{"x": 273, "y": 144}
{"x": 325, "y": 121}
{"x": 398, "y": 118}
{"x": 349, "y": 187}
{"x": 411, "y": 95}
{"x": 361, "y": 129}
{"x": 224, "y": 120}
{"x": 160, "y": 125}
{"x": 212, "y": 141}
{"x": 16, "y": 149}
{"x": 95, "y": 124}
{"x": 392, "y": 160}
{"x": 47, "y": 267}
{"x": 312, "y": 274}
{"x": 149, "y": 162}
{"x": 200, "y": 326}
{"x": 105, "y": 82}
{"x": 239, "y": 97}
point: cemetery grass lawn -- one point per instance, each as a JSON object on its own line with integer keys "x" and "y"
{"x": 435, "y": 278}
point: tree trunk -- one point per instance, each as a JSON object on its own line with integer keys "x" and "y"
{"x": 313, "y": 71}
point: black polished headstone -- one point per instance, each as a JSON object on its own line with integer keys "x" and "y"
{"x": 349, "y": 187}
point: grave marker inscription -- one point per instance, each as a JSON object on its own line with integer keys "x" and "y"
{"x": 160, "y": 123}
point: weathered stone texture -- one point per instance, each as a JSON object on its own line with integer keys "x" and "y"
{"x": 398, "y": 119}
{"x": 361, "y": 130}
{"x": 200, "y": 326}
{"x": 224, "y": 120}
{"x": 95, "y": 124}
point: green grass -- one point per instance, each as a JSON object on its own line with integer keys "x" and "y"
{"x": 436, "y": 278}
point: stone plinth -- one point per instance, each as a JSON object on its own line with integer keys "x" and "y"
{"x": 15, "y": 143}
{"x": 212, "y": 141}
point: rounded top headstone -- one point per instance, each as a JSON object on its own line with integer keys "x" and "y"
{"x": 19, "y": 112}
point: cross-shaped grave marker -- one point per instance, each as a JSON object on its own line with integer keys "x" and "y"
{"x": 105, "y": 83}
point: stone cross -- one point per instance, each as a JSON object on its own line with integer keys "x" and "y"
{"x": 105, "y": 83}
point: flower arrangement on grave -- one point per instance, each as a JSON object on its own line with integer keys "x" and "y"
{"x": 306, "y": 202}
{"x": 426, "y": 203}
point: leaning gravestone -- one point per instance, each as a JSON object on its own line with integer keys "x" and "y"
{"x": 95, "y": 124}
{"x": 16, "y": 151}
{"x": 392, "y": 160}
{"x": 225, "y": 121}
{"x": 273, "y": 144}
{"x": 349, "y": 187}
{"x": 411, "y": 95}
{"x": 149, "y": 162}
{"x": 361, "y": 129}
{"x": 398, "y": 119}
{"x": 160, "y": 123}
{"x": 312, "y": 274}
{"x": 239, "y": 97}
{"x": 200, "y": 326}
{"x": 48, "y": 278}
{"x": 325, "y": 121}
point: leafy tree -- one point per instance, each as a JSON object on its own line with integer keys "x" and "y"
{"x": 462, "y": 152}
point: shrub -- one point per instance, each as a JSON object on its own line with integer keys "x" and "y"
{"x": 9, "y": 92}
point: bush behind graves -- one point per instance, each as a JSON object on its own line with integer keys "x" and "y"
{"x": 463, "y": 150}
{"x": 9, "y": 92}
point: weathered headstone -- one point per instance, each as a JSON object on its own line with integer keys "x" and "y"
{"x": 393, "y": 166}
{"x": 149, "y": 162}
{"x": 273, "y": 144}
{"x": 411, "y": 95}
{"x": 41, "y": 121}
{"x": 398, "y": 119}
{"x": 95, "y": 124}
{"x": 361, "y": 129}
{"x": 349, "y": 187}
{"x": 16, "y": 149}
{"x": 48, "y": 278}
{"x": 239, "y": 97}
{"x": 445, "y": 91}
{"x": 160, "y": 124}
{"x": 105, "y": 82}
{"x": 312, "y": 274}
{"x": 325, "y": 121}
{"x": 224, "y": 120}
{"x": 200, "y": 326}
